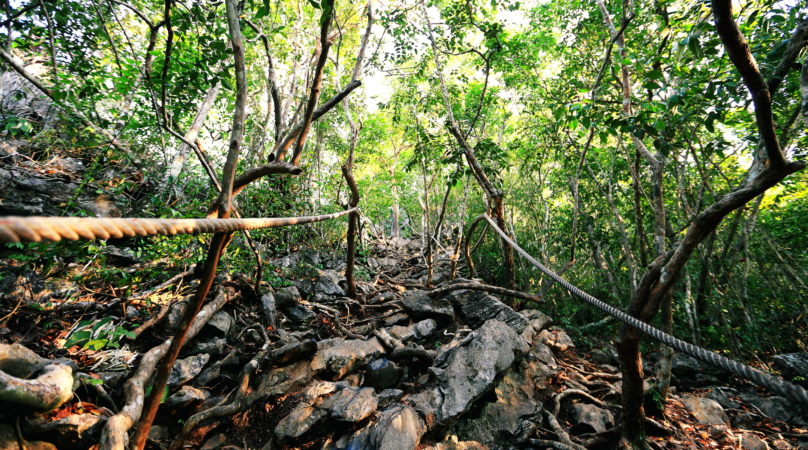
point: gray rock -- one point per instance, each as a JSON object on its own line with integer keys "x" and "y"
{"x": 508, "y": 413}
{"x": 382, "y": 374}
{"x": 398, "y": 428}
{"x": 185, "y": 397}
{"x": 694, "y": 373}
{"x": 268, "y": 308}
{"x": 389, "y": 396}
{"x": 792, "y": 365}
{"x": 185, "y": 370}
{"x": 76, "y": 431}
{"x": 466, "y": 371}
{"x": 590, "y": 419}
{"x": 298, "y": 422}
{"x": 600, "y": 357}
{"x": 724, "y": 400}
{"x": 421, "y": 306}
{"x": 346, "y": 356}
{"x": 282, "y": 380}
{"x": 751, "y": 442}
{"x": 424, "y": 328}
{"x": 287, "y": 297}
{"x": 381, "y": 298}
{"x": 555, "y": 338}
{"x": 707, "y": 411}
{"x": 328, "y": 284}
{"x": 299, "y": 315}
{"x": 777, "y": 408}
{"x": 293, "y": 352}
{"x": 353, "y": 404}
{"x": 112, "y": 380}
{"x": 213, "y": 347}
{"x": 287, "y": 262}
{"x": 401, "y": 333}
{"x": 396, "y": 319}
{"x": 476, "y": 307}
{"x": 132, "y": 313}
{"x": 220, "y": 322}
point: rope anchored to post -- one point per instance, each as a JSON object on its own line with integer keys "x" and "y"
{"x": 776, "y": 384}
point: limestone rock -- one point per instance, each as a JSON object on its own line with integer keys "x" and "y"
{"x": 590, "y": 419}
{"x": 346, "y": 356}
{"x": 354, "y": 404}
{"x": 220, "y": 323}
{"x": 185, "y": 370}
{"x": 476, "y": 307}
{"x": 298, "y": 422}
{"x": 707, "y": 411}
{"x": 294, "y": 351}
{"x": 76, "y": 431}
{"x": 792, "y": 365}
{"x": 555, "y": 338}
{"x": 185, "y": 397}
{"x": 424, "y": 328}
{"x": 421, "y": 306}
{"x": 382, "y": 374}
{"x": 282, "y": 380}
{"x": 466, "y": 371}
{"x": 398, "y": 428}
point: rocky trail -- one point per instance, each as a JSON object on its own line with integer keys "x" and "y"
{"x": 302, "y": 366}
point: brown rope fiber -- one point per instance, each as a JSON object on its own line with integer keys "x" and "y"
{"x": 35, "y": 229}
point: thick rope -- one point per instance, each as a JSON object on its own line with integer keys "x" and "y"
{"x": 35, "y": 229}
{"x": 776, "y": 384}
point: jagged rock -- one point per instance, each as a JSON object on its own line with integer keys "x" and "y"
{"x": 185, "y": 370}
{"x": 424, "y": 328}
{"x": 590, "y": 419}
{"x": 382, "y": 264}
{"x": 556, "y": 338}
{"x": 724, "y": 400}
{"x": 401, "y": 333}
{"x": 707, "y": 411}
{"x": 269, "y": 309}
{"x": 421, "y": 306}
{"x": 792, "y": 365}
{"x": 777, "y": 408}
{"x": 691, "y": 372}
{"x": 346, "y": 356}
{"x": 353, "y": 404}
{"x": 398, "y": 428}
{"x": 213, "y": 347}
{"x": 389, "y": 396}
{"x": 76, "y": 431}
{"x": 508, "y": 415}
{"x": 294, "y": 351}
{"x": 287, "y": 297}
{"x": 299, "y": 315}
{"x": 175, "y": 315}
{"x": 751, "y": 442}
{"x": 220, "y": 323}
{"x": 326, "y": 282}
{"x": 112, "y": 380}
{"x": 382, "y": 374}
{"x": 466, "y": 371}
{"x": 476, "y": 307}
{"x": 287, "y": 262}
{"x": 298, "y": 422}
{"x": 282, "y": 380}
{"x": 185, "y": 397}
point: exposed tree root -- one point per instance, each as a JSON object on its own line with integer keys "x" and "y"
{"x": 113, "y": 436}
{"x": 50, "y": 390}
{"x": 485, "y": 288}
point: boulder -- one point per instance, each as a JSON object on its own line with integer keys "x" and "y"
{"x": 424, "y": 328}
{"x": 707, "y": 411}
{"x": 299, "y": 315}
{"x": 421, "y": 306}
{"x": 213, "y": 347}
{"x": 555, "y": 338}
{"x": 466, "y": 371}
{"x": 187, "y": 396}
{"x": 294, "y": 351}
{"x": 691, "y": 372}
{"x": 269, "y": 308}
{"x": 220, "y": 323}
{"x": 476, "y": 307}
{"x": 398, "y": 428}
{"x": 282, "y": 380}
{"x": 508, "y": 413}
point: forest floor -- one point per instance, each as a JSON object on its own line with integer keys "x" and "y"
{"x": 303, "y": 366}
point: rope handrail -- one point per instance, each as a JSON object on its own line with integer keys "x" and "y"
{"x": 34, "y": 229}
{"x": 776, "y": 384}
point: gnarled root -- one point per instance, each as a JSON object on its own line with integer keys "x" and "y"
{"x": 50, "y": 390}
{"x": 113, "y": 436}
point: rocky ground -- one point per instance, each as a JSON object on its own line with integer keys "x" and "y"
{"x": 302, "y": 366}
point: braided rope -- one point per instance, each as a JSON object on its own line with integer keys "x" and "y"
{"x": 35, "y": 229}
{"x": 773, "y": 383}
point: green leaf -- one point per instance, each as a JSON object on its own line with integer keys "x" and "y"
{"x": 96, "y": 344}
{"x": 77, "y": 338}
{"x": 655, "y": 75}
